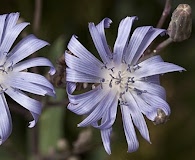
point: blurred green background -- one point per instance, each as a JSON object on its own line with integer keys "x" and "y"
{"x": 56, "y": 136}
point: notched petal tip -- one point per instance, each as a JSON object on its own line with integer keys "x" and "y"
{"x": 107, "y": 22}
{"x": 52, "y": 71}
{"x": 32, "y": 124}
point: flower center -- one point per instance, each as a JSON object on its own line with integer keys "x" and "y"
{"x": 121, "y": 79}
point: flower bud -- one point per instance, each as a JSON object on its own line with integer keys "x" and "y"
{"x": 180, "y": 26}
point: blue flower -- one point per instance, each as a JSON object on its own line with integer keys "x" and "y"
{"x": 15, "y": 80}
{"x": 120, "y": 80}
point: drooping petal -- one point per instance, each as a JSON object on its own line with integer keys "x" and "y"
{"x": 98, "y": 112}
{"x": 24, "y": 48}
{"x": 30, "y": 104}
{"x": 105, "y": 23}
{"x": 76, "y": 76}
{"x": 105, "y": 134}
{"x": 157, "y": 68}
{"x": 130, "y": 134}
{"x": 82, "y": 66}
{"x": 75, "y": 99}
{"x": 5, "y": 120}
{"x": 91, "y": 101}
{"x": 33, "y": 62}
{"x": 21, "y": 84}
{"x": 97, "y": 39}
{"x": 122, "y": 38}
{"x": 151, "y": 88}
{"x": 33, "y": 78}
{"x": 144, "y": 107}
{"x": 70, "y": 88}
{"x": 156, "y": 102}
{"x": 80, "y": 51}
{"x": 137, "y": 116}
{"x": 109, "y": 116}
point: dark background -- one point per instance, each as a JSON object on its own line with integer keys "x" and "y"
{"x": 56, "y": 131}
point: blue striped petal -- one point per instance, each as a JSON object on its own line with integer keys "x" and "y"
{"x": 36, "y": 79}
{"x": 87, "y": 105}
{"x": 137, "y": 116}
{"x": 5, "y": 120}
{"x": 140, "y": 40}
{"x": 30, "y": 104}
{"x": 156, "y": 102}
{"x": 105, "y": 23}
{"x": 122, "y": 38}
{"x": 80, "y": 51}
{"x": 2, "y": 22}
{"x": 98, "y": 112}
{"x": 105, "y": 134}
{"x": 82, "y": 66}
{"x": 97, "y": 39}
{"x": 157, "y": 68}
{"x": 33, "y": 62}
{"x": 75, "y": 99}
{"x": 109, "y": 116}
{"x": 22, "y": 49}
{"x": 11, "y": 36}
{"x": 129, "y": 130}
{"x": 151, "y": 88}
{"x": 76, "y": 76}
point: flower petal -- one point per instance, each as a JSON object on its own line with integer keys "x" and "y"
{"x": 98, "y": 112}
{"x": 5, "y": 120}
{"x": 75, "y": 99}
{"x": 157, "y": 68}
{"x": 150, "y": 36}
{"x": 11, "y": 36}
{"x": 33, "y": 62}
{"x": 105, "y": 134}
{"x": 156, "y": 102}
{"x": 130, "y": 134}
{"x": 151, "y": 88}
{"x": 30, "y": 104}
{"x": 84, "y": 107}
{"x": 105, "y": 23}
{"x": 82, "y": 66}
{"x": 80, "y": 51}
{"x": 122, "y": 38}
{"x": 21, "y": 84}
{"x": 97, "y": 40}
{"x": 153, "y": 59}
{"x": 24, "y": 48}
{"x": 109, "y": 116}
{"x": 140, "y": 40}
{"x": 2, "y": 22}
{"x": 137, "y": 116}
{"x": 70, "y": 88}
{"x": 33, "y": 78}
{"x": 76, "y": 76}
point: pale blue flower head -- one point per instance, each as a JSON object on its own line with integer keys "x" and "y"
{"x": 120, "y": 80}
{"x": 15, "y": 80}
